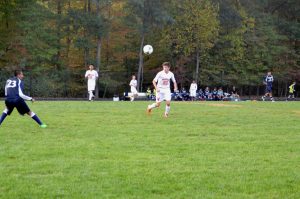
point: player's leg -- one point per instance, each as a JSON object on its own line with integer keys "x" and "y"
{"x": 168, "y": 103}
{"x": 168, "y": 107}
{"x": 7, "y": 111}
{"x": 266, "y": 94}
{"x": 270, "y": 94}
{"x": 24, "y": 109}
{"x": 91, "y": 88}
{"x": 289, "y": 96}
{"x": 159, "y": 99}
{"x": 91, "y": 95}
{"x": 3, "y": 116}
{"x": 132, "y": 93}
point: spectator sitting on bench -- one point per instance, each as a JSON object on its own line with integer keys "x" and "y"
{"x": 220, "y": 94}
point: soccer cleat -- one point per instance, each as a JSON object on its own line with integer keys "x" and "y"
{"x": 263, "y": 98}
{"x": 43, "y": 126}
{"x": 166, "y": 115}
{"x": 149, "y": 110}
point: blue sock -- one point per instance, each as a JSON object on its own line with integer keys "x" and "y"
{"x": 37, "y": 119}
{"x": 3, "y": 116}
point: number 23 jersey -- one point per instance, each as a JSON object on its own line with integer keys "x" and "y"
{"x": 163, "y": 79}
{"x": 13, "y": 89}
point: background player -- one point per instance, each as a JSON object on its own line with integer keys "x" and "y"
{"x": 133, "y": 85}
{"x": 161, "y": 83}
{"x": 92, "y": 76}
{"x": 268, "y": 81}
{"x": 15, "y": 99}
{"x": 291, "y": 91}
{"x": 193, "y": 90}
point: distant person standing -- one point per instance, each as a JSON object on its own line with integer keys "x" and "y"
{"x": 268, "y": 81}
{"x": 14, "y": 98}
{"x": 133, "y": 85}
{"x": 161, "y": 83}
{"x": 291, "y": 91}
{"x": 91, "y": 76}
{"x": 234, "y": 94}
{"x": 193, "y": 90}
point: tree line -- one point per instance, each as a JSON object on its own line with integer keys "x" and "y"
{"x": 215, "y": 42}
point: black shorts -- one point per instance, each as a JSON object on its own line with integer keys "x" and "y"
{"x": 268, "y": 89}
{"x": 19, "y": 104}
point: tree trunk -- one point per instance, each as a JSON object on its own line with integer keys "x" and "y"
{"x": 87, "y": 7}
{"x": 98, "y": 57}
{"x": 68, "y": 36}
{"x": 257, "y": 91}
{"x": 58, "y": 54}
{"x": 197, "y": 64}
{"x": 141, "y": 64}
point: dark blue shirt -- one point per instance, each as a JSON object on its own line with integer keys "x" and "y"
{"x": 14, "y": 89}
{"x": 269, "y": 80}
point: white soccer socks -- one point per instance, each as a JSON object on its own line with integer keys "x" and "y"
{"x": 91, "y": 95}
{"x": 167, "y": 110}
{"x": 152, "y": 106}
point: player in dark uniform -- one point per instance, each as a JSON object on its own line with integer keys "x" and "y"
{"x": 16, "y": 99}
{"x": 268, "y": 81}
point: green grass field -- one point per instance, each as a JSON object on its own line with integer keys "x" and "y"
{"x": 114, "y": 150}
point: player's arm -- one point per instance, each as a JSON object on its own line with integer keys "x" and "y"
{"x": 5, "y": 89}
{"x": 21, "y": 94}
{"x": 154, "y": 82}
{"x": 175, "y": 86}
{"x": 86, "y": 74}
{"x": 264, "y": 81}
{"x": 155, "y": 85}
{"x": 175, "y": 83}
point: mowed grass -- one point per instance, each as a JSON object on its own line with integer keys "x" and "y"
{"x": 114, "y": 150}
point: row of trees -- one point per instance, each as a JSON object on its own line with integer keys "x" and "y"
{"x": 215, "y": 42}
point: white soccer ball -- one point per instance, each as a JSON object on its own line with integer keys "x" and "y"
{"x": 148, "y": 49}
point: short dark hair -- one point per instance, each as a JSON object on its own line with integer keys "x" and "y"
{"x": 167, "y": 64}
{"x": 18, "y": 72}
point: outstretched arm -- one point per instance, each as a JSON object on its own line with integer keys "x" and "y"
{"x": 155, "y": 85}
{"x": 175, "y": 86}
{"x": 21, "y": 94}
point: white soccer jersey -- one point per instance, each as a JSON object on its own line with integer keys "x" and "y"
{"x": 133, "y": 83}
{"x": 163, "y": 79}
{"x": 193, "y": 89}
{"x": 92, "y": 75}
{"x": 193, "y": 86}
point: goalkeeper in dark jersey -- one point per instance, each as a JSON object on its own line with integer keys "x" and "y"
{"x": 15, "y": 98}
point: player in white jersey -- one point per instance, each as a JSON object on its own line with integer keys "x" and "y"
{"x": 161, "y": 83}
{"x": 193, "y": 90}
{"x": 133, "y": 85}
{"x": 91, "y": 76}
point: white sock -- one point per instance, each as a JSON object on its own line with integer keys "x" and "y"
{"x": 90, "y": 95}
{"x": 152, "y": 106}
{"x": 168, "y": 109}
{"x": 32, "y": 114}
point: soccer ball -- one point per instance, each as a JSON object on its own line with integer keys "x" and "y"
{"x": 148, "y": 49}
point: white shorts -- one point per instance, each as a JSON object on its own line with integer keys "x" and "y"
{"x": 91, "y": 85}
{"x": 133, "y": 90}
{"x": 193, "y": 93}
{"x": 163, "y": 95}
